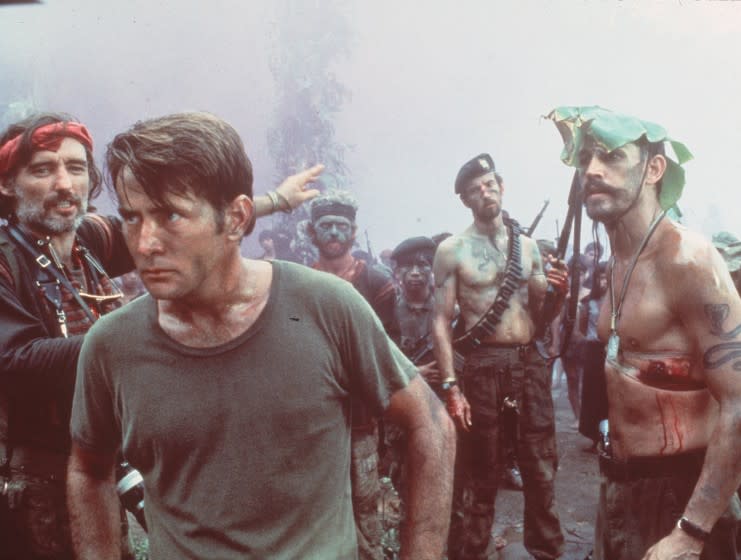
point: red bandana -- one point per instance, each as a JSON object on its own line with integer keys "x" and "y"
{"x": 47, "y": 137}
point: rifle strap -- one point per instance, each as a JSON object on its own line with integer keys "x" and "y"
{"x": 48, "y": 267}
{"x": 488, "y": 323}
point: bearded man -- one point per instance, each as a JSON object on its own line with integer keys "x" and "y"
{"x": 332, "y": 229}
{"x": 496, "y": 277}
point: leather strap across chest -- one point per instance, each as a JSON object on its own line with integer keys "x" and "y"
{"x": 487, "y": 325}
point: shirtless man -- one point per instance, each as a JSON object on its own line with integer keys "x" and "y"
{"x": 672, "y": 324}
{"x": 505, "y": 380}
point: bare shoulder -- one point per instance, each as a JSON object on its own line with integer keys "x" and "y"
{"x": 687, "y": 262}
{"x": 451, "y": 249}
{"x": 529, "y": 247}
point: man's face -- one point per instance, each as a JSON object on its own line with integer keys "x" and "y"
{"x": 333, "y": 235}
{"x": 415, "y": 275}
{"x": 611, "y": 180}
{"x": 602, "y": 281}
{"x": 51, "y": 191}
{"x": 484, "y": 197}
{"x": 178, "y": 248}
{"x": 267, "y": 244}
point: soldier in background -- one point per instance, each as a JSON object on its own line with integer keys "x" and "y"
{"x": 333, "y": 230}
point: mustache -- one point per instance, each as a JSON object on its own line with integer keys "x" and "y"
{"x": 63, "y": 197}
{"x": 594, "y": 185}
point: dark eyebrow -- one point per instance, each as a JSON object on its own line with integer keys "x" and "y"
{"x": 44, "y": 163}
{"x": 76, "y": 160}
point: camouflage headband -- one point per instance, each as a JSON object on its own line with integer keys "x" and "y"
{"x": 612, "y": 130}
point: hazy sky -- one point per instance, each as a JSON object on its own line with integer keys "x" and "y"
{"x": 433, "y": 84}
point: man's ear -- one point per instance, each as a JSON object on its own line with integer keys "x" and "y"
{"x": 6, "y": 187}
{"x": 311, "y": 232}
{"x": 464, "y": 201}
{"x": 354, "y": 231}
{"x": 240, "y": 217}
{"x": 655, "y": 170}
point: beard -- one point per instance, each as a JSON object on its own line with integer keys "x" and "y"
{"x": 334, "y": 248}
{"x": 39, "y": 215}
{"x": 487, "y": 213}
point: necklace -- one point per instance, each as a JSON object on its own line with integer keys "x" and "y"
{"x": 613, "y": 342}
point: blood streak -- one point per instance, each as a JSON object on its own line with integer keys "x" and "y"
{"x": 663, "y": 423}
{"x": 676, "y": 425}
{"x": 667, "y": 424}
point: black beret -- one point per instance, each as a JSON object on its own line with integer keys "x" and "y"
{"x": 478, "y": 166}
{"x": 407, "y": 249}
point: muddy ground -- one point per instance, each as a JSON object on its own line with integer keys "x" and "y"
{"x": 577, "y": 487}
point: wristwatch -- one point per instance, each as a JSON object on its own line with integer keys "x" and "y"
{"x": 693, "y": 530}
{"x": 448, "y": 384}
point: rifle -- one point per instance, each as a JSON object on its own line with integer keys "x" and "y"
{"x": 573, "y": 216}
{"x": 536, "y": 221}
{"x": 423, "y": 353}
{"x": 368, "y": 245}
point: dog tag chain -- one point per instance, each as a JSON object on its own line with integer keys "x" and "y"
{"x": 613, "y": 342}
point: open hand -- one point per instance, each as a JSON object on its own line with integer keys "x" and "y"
{"x": 430, "y": 372}
{"x": 458, "y": 408}
{"x": 677, "y": 545}
{"x": 293, "y": 188}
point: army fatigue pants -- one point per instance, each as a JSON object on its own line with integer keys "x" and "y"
{"x": 635, "y": 512}
{"x": 34, "y": 523}
{"x": 366, "y": 490}
{"x": 493, "y": 377}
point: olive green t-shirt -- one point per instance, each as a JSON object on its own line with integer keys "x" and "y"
{"x": 245, "y": 447}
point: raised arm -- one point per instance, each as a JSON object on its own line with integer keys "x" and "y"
{"x": 712, "y": 316}
{"x": 446, "y": 290}
{"x": 430, "y": 456}
{"x": 290, "y": 194}
{"x": 95, "y": 518}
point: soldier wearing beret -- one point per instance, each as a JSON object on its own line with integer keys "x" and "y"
{"x": 412, "y": 260}
{"x": 410, "y": 328}
{"x": 504, "y": 391}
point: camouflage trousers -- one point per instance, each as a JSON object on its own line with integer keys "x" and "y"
{"x": 494, "y": 378}
{"x": 34, "y": 523}
{"x": 634, "y": 514}
{"x": 366, "y": 490}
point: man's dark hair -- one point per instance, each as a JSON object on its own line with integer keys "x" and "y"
{"x": 596, "y": 246}
{"x": 25, "y": 129}
{"x": 266, "y": 234}
{"x": 595, "y": 291}
{"x": 184, "y": 152}
{"x": 649, "y": 150}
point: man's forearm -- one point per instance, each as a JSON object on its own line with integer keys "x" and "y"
{"x": 430, "y": 459}
{"x": 264, "y": 206}
{"x": 95, "y": 518}
{"x": 720, "y": 476}
{"x": 442, "y": 340}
